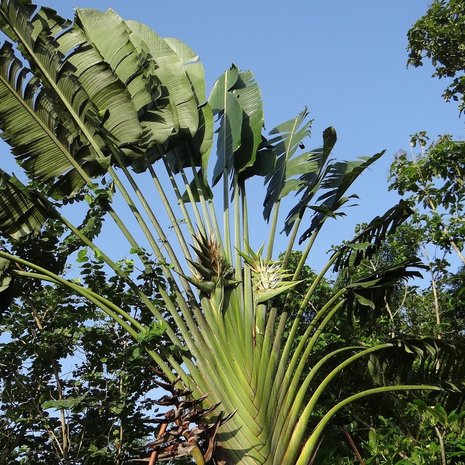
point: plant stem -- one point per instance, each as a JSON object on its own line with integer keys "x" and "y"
{"x": 312, "y": 442}
{"x": 441, "y": 446}
{"x": 272, "y": 235}
{"x": 353, "y": 446}
{"x": 175, "y": 187}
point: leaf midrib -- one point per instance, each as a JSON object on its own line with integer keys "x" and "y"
{"x": 44, "y": 127}
{"x": 62, "y": 98}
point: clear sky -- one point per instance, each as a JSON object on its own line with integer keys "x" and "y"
{"x": 345, "y": 60}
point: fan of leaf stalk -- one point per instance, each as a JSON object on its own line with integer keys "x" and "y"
{"x": 101, "y": 96}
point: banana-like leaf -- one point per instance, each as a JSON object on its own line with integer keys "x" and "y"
{"x": 124, "y": 88}
{"x": 236, "y": 98}
{"x": 224, "y": 103}
{"x": 369, "y": 241}
{"x": 264, "y": 164}
{"x": 57, "y": 63}
{"x": 93, "y": 89}
{"x": 181, "y": 120}
{"x": 222, "y": 86}
{"x": 42, "y": 142}
{"x": 249, "y": 97}
{"x": 388, "y": 276}
{"x": 374, "y": 289}
{"x": 285, "y": 139}
{"x": 339, "y": 178}
{"x": 22, "y": 212}
{"x": 203, "y": 139}
{"x": 312, "y": 168}
{"x": 418, "y": 361}
{"x": 64, "y": 115}
{"x": 118, "y": 51}
{"x": 175, "y": 85}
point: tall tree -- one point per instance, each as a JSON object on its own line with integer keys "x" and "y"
{"x": 430, "y": 177}
{"x": 433, "y": 177}
{"x": 74, "y": 386}
{"x": 439, "y": 36}
{"x": 93, "y": 106}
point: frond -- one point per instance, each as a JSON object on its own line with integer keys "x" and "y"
{"x": 369, "y": 240}
{"x": 22, "y": 211}
{"x": 285, "y": 140}
{"x": 423, "y": 361}
{"x": 339, "y": 177}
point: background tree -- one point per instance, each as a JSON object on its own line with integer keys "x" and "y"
{"x": 392, "y": 429}
{"x": 438, "y": 36}
{"x": 75, "y": 388}
{"x": 431, "y": 177}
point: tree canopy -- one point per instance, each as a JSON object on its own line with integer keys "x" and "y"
{"x": 439, "y": 36}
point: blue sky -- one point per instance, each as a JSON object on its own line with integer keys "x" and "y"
{"x": 345, "y": 60}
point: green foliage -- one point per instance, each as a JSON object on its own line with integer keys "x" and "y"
{"x": 431, "y": 182}
{"x": 434, "y": 181}
{"x": 439, "y": 35}
{"x": 242, "y": 341}
{"x": 434, "y": 178}
{"x": 406, "y": 309}
{"x": 73, "y": 385}
{"x": 434, "y": 435}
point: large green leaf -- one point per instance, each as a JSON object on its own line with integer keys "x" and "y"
{"x": 42, "y": 143}
{"x": 236, "y": 98}
{"x": 107, "y": 89}
{"x": 203, "y": 139}
{"x": 422, "y": 361}
{"x": 118, "y": 51}
{"x": 109, "y": 72}
{"x": 224, "y": 103}
{"x": 285, "y": 139}
{"x": 339, "y": 177}
{"x": 249, "y": 97}
{"x": 312, "y": 168}
{"x": 175, "y": 85}
{"x": 374, "y": 289}
{"x": 264, "y": 164}
{"x": 181, "y": 119}
{"x": 373, "y": 235}
{"x": 72, "y": 116}
{"x": 22, "y": 212}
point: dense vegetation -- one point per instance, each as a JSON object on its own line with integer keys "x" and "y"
{"x": 261, "y": 357}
